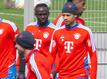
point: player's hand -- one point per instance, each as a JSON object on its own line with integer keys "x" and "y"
{"x": 21, "y": 76}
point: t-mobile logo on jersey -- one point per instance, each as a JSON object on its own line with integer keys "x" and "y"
{"x": 38, "y": 43}
{"x": 68, "y": 45}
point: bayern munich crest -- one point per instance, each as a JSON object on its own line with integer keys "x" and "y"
{"x": 76, "y": 35}
{"x": 45, "y": 34}
{"x": 1, "y": 31}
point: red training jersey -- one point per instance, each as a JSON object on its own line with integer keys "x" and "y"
{"x": 73, "y": 46}
{"x": 37, "y": 67}
{"x": 59, "y": 21}
{"x": 8, "y": 31}
{"x": 42, "y": 35}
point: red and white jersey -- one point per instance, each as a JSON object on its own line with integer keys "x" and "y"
{"x": 37, "y": 67}
{"x": 59, "y": 21}
{"x": 8, "y": 31}
{"x": 41, "y": 34}
{"x": 72, "y": 46}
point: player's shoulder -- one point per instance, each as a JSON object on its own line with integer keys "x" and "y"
{"x": 85, "y": 28}
{"x": 9, "y": 24}
{"x": 51, "y": 25}
{"x": 31, "y": 24}
{"x": 59, "y": 29}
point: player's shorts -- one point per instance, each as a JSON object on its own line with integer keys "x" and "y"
{"x": 11, "y": 73}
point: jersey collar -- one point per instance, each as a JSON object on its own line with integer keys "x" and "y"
{"x": 71, "y": 27}
{"x": 45, "y": 25}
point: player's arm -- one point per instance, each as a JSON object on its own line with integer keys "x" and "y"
{"x": 53, "y": 45}
{"x": 53, "y": 50}
{"x": 93, "y": 56}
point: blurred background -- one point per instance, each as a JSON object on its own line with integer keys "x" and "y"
{"x": 95, "y": 17}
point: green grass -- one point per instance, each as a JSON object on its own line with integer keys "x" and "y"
{"x": 95, "y": 15}
{"x": 8, "y": 14}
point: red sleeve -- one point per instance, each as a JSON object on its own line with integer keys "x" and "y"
{"x": 59, "y": 21}
{"x": 93, "y": 56}
{"x": 56, "y": 20}
{"x": 53, "y": 46}
{"x": 80, "y": 20}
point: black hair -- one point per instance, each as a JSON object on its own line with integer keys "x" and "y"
{"x": 69, "y": 7}
{"x": 40, "y": 5}
{"x": 69, "y": 0}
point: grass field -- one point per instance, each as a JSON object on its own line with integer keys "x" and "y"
{"x": 15, "y": 15}
{"x": 95, "y": 14}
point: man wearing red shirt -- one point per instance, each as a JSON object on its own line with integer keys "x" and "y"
{"x": 36, "y": 62}
{"x": 59, "y": 21}
{"x": 42, "y": 29}
{"x": 73, "y": 42}
{"x": 8, "y": 31}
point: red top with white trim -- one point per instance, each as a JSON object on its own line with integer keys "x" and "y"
{"x": 8, "y": 31}
{"x": 73, "y": 46}
{"x": 42, "y": 34}
{"x": 38, "y": 65}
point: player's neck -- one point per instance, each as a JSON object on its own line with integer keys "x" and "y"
{"x": 72, "y": 26}
{"x": 72, "y": 23}
{"x": 27, "y": 51}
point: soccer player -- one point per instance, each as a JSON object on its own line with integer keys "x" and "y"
{"x": 59, "y": 21}
{"x": 42, "y": 29}
{"x": 73, "y": 42}
{"x": 8, "y": 31}
{"x": 36, "y": 62}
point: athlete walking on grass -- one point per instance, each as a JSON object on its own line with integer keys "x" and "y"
{"x": 73, "y": 42}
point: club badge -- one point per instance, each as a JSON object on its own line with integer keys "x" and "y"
{"x": 1, "y": 31}
{"x": 62, "y": 38}
{"x": 76, "y": 35}
{"x": 46, "y": 34}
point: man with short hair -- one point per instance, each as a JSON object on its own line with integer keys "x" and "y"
{"x": 73, "y": 42}
{"x": 42, "y": 31}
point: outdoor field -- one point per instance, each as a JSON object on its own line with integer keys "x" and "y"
{"x": 15, "y": 15}
{"x": 95, "y": 14}
{"x": 95, "y": 17}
